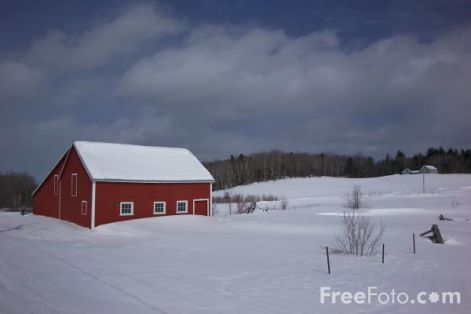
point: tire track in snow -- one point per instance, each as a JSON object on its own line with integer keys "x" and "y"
{"x": 94, "y": 277}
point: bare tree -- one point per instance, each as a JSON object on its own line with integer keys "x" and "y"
{"x": 359, "y": 235}
{"x": 284, "y": 203}
{"x": 241, "y": 203}
{"x": 355, "y": 199}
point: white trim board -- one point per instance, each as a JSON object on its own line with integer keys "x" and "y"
{"x": 92, "y": 222}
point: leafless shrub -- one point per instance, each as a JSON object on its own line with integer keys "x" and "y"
{"x": 359, "y": 235}
{"x": 355, "y": 199}
{"x": 269, "y": 198}
{"x": 228, "y": 199}
{"x": 455, "y": 203}
{"x": 241, "y": 204}
{"x": 236, "y": 198}
{"x": 244, "y": 204}
{"x": 284, "y": 203}
{"x": 252, "y": 198}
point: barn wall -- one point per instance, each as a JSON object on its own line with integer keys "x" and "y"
{"x": 44, "y": 201}
{"x": 109, "y": 195}
{"x": 71, "y": 205}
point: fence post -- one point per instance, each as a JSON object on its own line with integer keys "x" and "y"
{"x": 413, "y": 242}
{"x": 382, "y": 258}
{"x": 328, "y": 260}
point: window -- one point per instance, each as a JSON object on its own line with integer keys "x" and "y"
{"x": 83, "y": 209}
{"x": 126, "y": 208}
{"x": 159, "y": 208}
{"x": 182, "y": 207}
{"x": 56, "y": 184}
{"x": 73, "y": 185}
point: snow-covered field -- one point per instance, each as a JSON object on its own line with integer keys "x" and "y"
{"x": 265, "y": 262}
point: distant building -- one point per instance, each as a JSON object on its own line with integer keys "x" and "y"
{"x": 428, "y": 169}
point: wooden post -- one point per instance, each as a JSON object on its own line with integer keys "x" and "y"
{"x": 328, "y": 260}
{"x": 382, "y": 257}
{"x": 413, "y": 242}
{"x": 437, "y": 234}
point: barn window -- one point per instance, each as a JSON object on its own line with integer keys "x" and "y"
{"x": 83, "y": 209}
{"x": 126, "y": 208}
{"x": 159, "y": 208}
{"x": 73, "y": 185}
{"x": 56, "y": 184}
{"x": 182, "y": 207}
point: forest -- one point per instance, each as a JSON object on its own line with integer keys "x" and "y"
{"x": 16, "y": 187}
{"x": 263, "y": 166}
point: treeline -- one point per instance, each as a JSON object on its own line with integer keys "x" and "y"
{"x": 16, "y": 189}
{"x": 238, "y": 170}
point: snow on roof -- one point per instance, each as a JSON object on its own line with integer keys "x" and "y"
{"x": 124, "y": 162}
{"x": 430, "y": 167}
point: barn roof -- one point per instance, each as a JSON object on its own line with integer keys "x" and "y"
{"x": 124, "y": 162}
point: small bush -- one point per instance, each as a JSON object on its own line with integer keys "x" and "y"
{"x": 355, "y": 199}
{"x": 284, "y": 203}
{"x": 359, "y": 235}
{"x": 252, "y": 198}
{"x": 237, "y": 198}
{"x": 269, "y": 198}
{"x": 455, "y": 203}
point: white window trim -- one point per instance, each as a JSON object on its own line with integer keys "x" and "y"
{"x": 86, "y": 208}
{"x": 73, "y": 192}
{"x": 201, "y": 200}
{"x": 126, "y": 214}
{"x": 56, "y": 184}
{"x": 186, "y": 206}
{"x": 165, "y": 208}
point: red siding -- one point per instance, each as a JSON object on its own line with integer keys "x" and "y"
{"x": 71, "y": 205}
{"x": 45, "y": 202}
{"x": 110, "y": 194}
{"x": 64, "y": 206}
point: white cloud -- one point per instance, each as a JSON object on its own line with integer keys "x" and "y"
{"x": 19, "y": 82}
{"x": 223, "y": 90}
{"x": 97, "y": 46}
{"x": 394, "y": 86}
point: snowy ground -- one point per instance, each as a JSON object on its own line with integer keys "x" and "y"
{"x": 265, "y": 262}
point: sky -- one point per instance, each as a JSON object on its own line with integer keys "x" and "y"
{"x": 231, "y": 77}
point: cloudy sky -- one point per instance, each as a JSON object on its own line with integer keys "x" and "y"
{"x": 230, "y": 77}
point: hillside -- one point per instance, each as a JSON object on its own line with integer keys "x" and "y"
{"x": 266, "y": 262}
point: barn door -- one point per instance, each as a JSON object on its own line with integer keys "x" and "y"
{"x": 200, "y": 207}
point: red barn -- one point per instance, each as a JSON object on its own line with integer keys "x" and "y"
{"x": 98, "y": 183}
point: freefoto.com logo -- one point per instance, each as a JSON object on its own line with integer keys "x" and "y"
{"x": 371, "y": 295}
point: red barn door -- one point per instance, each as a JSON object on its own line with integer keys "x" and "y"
{"x": 201, "y": 207}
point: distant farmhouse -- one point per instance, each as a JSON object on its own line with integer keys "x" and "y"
{"x": 424, "y": 169}
{"x": 428, "y": 169}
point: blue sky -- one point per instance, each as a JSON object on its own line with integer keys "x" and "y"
{"x": 230, "y": 77}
